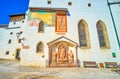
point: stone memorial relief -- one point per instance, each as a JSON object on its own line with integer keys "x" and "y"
{"x": 62, "y": 53}
{"x": 54, "y": 56}
{"x": 61, "y": 23}
{"x": 71, "y": 57}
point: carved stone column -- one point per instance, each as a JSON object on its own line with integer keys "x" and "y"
{"x": 76, "y": 54}
{"x": 48, "y": 56}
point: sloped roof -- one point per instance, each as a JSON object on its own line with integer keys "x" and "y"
{"x": 48, "y": 9}
{"x": 17, "y": 14}
{"x": 3, "y": 25}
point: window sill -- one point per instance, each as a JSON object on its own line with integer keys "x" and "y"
{"x": 85, "y": 47}
{"x": 105, "y": 47}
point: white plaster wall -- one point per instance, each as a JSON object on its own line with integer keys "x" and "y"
{"x": 5, "y": 46}
{"x": 17, "y": 24}
{"x": 1, "y": 37}
{"x": 1, "y": 34}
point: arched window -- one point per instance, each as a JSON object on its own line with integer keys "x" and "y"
{"x": 41, "y": 27}
{"x": 102, "y": 35}
{"x": 40, "y": 47}
{"x": 84, "y": 39}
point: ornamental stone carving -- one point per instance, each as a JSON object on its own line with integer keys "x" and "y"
{"x": 71, "y": 57}
{"x": 54, "y": 56}
{"x": 62, "y": 53}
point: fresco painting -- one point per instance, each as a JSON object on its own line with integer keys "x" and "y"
{"x": 46, "y": 17}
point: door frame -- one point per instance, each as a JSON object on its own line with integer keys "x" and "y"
{"x": 17, "y": 56}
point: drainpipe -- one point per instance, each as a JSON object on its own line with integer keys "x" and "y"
{"x": 113, "y": 20}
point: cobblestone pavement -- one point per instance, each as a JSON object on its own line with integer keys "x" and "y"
{"x": 13, "y": 70}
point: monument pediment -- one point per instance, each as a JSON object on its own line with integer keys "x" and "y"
{"x": 62, "y": 38}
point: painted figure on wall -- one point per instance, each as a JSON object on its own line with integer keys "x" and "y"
{"x": 47, "y": 17}
{"x": 33, "y": 22}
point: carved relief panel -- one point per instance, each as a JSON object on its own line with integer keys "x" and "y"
{"x": 62, "y": 53}
{"x": 54, "y": 56}
{"x": 61, "y": 23}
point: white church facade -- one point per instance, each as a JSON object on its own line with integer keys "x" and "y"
{"x": 56, "y": 33}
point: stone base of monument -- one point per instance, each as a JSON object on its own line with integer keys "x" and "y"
{"x": 62, "y": 61}
{"x": 63, "y": 65}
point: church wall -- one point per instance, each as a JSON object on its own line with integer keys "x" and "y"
{"x": 76, "y": 12}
